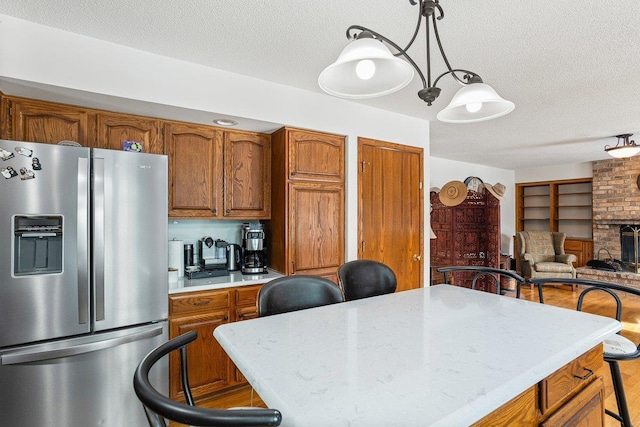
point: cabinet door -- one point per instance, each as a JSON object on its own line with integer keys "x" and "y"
{"x": 316, "y": 156}
{"x": 246, "y": 308}
{"x": 195, "y": 170}
{"x": 581, "y": 248}
{"x": 209, "y": 365}
{"x": 5, "y": 119}
{"x": 316, "y": 228}
{"x": 114, "y": 128}
{"x": 49, "y": 123}
{"x": 247, "y": 175}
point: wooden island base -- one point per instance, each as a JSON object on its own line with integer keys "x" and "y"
{"x": 571, "y": 396}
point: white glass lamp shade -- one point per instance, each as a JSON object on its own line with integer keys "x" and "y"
{"x": 624, "y": 151}
{"x": 365, "y": 69}
{"x": 475, "y": 102}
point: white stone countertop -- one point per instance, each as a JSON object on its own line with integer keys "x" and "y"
{"x": 439, "y": 356}
{"x": 234, "y": 278}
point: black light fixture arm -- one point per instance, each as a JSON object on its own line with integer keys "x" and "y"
{"x": 468, "y": 76}
{"x": 427, "y": 9}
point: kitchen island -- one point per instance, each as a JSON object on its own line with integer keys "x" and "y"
{"x": 441, "y": 355}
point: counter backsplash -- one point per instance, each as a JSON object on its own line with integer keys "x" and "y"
{"x": 191, "y": 230}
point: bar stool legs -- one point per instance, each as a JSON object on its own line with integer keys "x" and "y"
{"x": 621, "y": 399}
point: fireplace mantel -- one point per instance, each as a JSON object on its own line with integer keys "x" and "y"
{"x": 608, "y": 222}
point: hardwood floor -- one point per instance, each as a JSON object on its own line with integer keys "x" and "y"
{"x": 562, "y": 296}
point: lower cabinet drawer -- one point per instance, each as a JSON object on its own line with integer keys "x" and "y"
{"x": 584, "y": 409}
{"x": 198, "y": 302}
{"x": 565, "y": 381}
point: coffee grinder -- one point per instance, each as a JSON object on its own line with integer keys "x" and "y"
{"x": 253, "y": 250}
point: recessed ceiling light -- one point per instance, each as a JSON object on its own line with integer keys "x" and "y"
{"x": 225, "y": 122}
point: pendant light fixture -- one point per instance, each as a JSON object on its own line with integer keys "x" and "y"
{"x": 366, "y": 68}
{"x": 626, "y": 149}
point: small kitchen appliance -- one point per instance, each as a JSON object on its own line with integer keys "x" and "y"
{"x": 253, "y": 250}
{"x": 234, "y": 257}
{"x": 212, "y": 258}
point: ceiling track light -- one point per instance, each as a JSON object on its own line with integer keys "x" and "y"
{"x": 366, "y": 68}
{"x": 624, "y": 150}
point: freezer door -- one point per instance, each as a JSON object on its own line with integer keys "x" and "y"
{"x": 129, "y": 238}
{"x": 80, "y": 382}
{"x": 44, "y": 241}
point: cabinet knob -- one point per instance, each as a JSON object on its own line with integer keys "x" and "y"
{"x": 417, "y": 257}
{"x": 226, "y": 317}
{"x": 228, "y": 211}
{"x": 215, "y": 211}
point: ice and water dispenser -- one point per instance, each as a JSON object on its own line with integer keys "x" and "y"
{"x": 37, "y": 244}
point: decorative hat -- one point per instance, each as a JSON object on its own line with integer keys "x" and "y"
{"x": 434, "y": 190}
{"x": 497, "y": 190}
{"x": 453, "y": 193}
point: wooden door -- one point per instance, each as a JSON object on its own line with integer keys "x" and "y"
{"x": 247, "y": 175}
{"x": 115, "y": 128}
{"x": 316, "y": 228}
{"x": 49, "y": 123}
{"x": 209, "y": 365}
{"x": 195, "y": 170}
{"x": 390, "y": 208}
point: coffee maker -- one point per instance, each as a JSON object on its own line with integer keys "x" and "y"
{"x": 253, "y": 251}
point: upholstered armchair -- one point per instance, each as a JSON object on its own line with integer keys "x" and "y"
{"x": 541, "y": 254}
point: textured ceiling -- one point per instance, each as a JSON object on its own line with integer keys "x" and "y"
{"x": 571, "y": 67}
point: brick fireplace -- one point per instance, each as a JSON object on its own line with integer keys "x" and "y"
{"x": 616, "y": 202}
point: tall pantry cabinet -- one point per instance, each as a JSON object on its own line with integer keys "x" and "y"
{"x": 306, "y": 232}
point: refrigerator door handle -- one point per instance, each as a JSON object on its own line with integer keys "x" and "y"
{"x": 82, "y": 240}
{"x": 75, "y": 350}
{"x": 98, "y": 236}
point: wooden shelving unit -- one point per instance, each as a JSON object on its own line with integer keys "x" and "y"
{"x": 563, "y": 206}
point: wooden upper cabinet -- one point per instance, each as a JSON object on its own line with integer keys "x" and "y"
{"x": 5, "y": 120}
{"x": 306, "y": 230}
{"x": 50, "y": 123}
{"x": 315, "y": 156}
{"x": 247, "y": 175}
{"x": 114, "y": 128}
{"x": 195, "y": 170}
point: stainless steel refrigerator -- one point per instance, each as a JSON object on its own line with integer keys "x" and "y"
{"x": 83, "y": 282}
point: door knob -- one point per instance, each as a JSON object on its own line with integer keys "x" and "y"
{"x": 417, "y": 257}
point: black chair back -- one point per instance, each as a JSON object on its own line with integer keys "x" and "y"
{"x": 296, "y": 292}
{"x": 607, "y": 287}
{"x": 159, "y": 407}
{"x": 481, "y": 272}
{"x": 364, "y": 278}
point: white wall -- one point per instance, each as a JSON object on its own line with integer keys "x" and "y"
{"x": 34, "y": 53}
{"x": 555, "y": 173}
{"x": 443, "y": 170}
